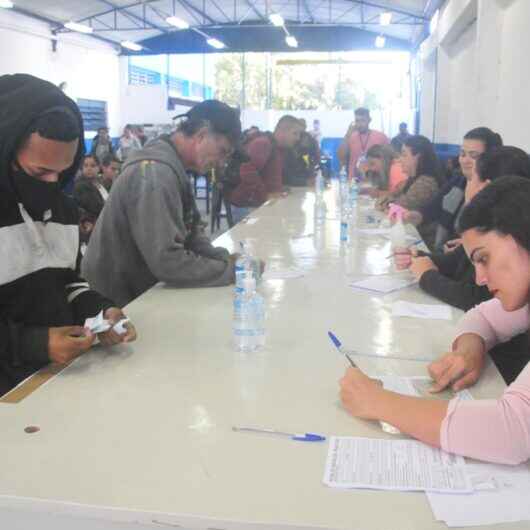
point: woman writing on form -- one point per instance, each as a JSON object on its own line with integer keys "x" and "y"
{"x": 495, "y": 229}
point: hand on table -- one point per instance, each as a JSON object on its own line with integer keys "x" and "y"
{"x": 420, "y": 265}
{"x": 451, "y": 245}
{"x": 68, "y": 342}
{"x": 457, "y": 370}
{"x": 359, "y": 393}
{"x": 403, "y": 257}
{"x": 111, "y": 337}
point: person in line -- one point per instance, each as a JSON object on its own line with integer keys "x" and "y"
{"x": 102, "y": 145}
{"x": 150, "y": 229}
{"x": 383, "y": 170}
{"x": 251, "y": 183}
{"x": 424, "y": 178}
{"x": 447, "y": 203}
{"x": 43, "y": 301}
{"x": 496, "y": 236}
{"x": 359, "y": 138}
{"x": 398, "y": 140}
{"x": 110, "y": 169}
{"x": 316, "y": 132}
{"x": 89, "y": 192}
{"x": 302, "y": 160}
{"x": 450, "y": 276}
{"x": 128, "y": 143}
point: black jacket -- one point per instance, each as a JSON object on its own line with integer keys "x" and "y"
{"x": 88, "y": 197}
{"x": 39, "y": 241}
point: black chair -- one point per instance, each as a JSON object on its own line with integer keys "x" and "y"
{"x": 218, "y": 201}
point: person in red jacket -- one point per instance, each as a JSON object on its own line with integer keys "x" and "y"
{"x": 261, "y": 177}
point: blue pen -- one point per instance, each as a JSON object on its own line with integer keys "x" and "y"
{"x": 299, "y": 437}
{"x": 337, "y": 343}
{"x": 339, "y": 347}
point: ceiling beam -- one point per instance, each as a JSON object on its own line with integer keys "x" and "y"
{"x": 256, "y": 11}
{"x": 388, "y": 8}
{"x": 199, "y": 12}
{"x": 128, "y": 14}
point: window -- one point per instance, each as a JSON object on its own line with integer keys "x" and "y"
{"x": 94, "y": 113}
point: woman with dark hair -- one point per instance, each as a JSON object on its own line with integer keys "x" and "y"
{"x": 450, "y": 276}
{"x": 424, "y": 178}
{"x": 496, "y": 236}
{"x": 384, "y": 170}
{"x": 447, "y": 203}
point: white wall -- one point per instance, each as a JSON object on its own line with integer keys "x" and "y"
{"x": 477, "y": 59}
{"x": 89, "y": 67}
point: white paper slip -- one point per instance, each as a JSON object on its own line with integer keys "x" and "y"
{"x": 419, "y": 386}
{"x": 408, "y": 309}
{"x": 404, "y": 465}
{"x": 384, "y": 284}
{"x": 99, "y": 324}
{"x": 283, "y": 274}
{"x": 250, "y": 221}
{"x": 374, "y": 231}
{"x": 501, "y": 496}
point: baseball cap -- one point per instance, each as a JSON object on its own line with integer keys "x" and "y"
{"x": 223, "y": 118}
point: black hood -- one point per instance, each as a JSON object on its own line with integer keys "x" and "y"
{"x": 23, "y": 98}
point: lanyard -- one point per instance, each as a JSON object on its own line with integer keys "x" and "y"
{"x": 364, "y": 144}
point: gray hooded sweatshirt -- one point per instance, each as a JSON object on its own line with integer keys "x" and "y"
{"x": 149, "y": 231}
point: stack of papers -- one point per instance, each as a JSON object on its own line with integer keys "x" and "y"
{"x": 405, "y": 465}
{"x": 501, "y": 496}
{"x": 384, "y": 284}
{"x": 408, "y": 309}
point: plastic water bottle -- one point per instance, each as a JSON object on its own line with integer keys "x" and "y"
{"x": 343, "y": 190}
{"x": 354, "y": 192}
{"x": 398, "y": 234}
{"x": 344, "y": 228}
{"x": 246, "y": 262}
{"x": 249, "y": 317}
{"x": 319, "y": 184}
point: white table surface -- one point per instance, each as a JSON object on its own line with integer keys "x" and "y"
{"x": 141, "y": 434}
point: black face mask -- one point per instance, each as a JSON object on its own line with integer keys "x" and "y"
{"x": 36, "y": 195}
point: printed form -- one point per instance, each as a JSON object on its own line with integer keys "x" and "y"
{"x": 405, "y": 465}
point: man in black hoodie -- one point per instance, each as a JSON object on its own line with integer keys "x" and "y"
{"x": 43, "y": 301}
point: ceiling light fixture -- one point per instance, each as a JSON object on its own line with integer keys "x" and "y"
{"x": 177, "y": 22}
{"x": 291, "y": 41}
{"x": 276, "y": 19}
{"x": 215, "y": 43}
{"x": 6, "y": 4}
{"x": 380, "y": 41}
{"x": 385, "y": 18}
{"x": 131, "y": 45}
{"x": 80, "y": 28}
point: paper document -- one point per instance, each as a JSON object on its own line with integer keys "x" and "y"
{"x": 283, "y": 274}
{"x": 501, "y": 496}
{"x": 405, "y": 465}
{"x": 417, "y": 386}
{"x": 384, "y": 284}
{"x": 250, "y": 220}
{"x": 408, "y": 309}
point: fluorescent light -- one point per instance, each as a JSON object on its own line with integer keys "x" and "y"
{"x": 215, "y": 43}
{"x": 385, "y": 18}
{"x": 177, "y": 22}
{"x": 433, "y": 24}
{"x": 81, "y": 28}
{"x": 291, "y": 41}
{"x": 131, "y": 45}
{"x": 6, "y": 4}
{"x": 380, "y": 41}
{"x": 276, "y": 19}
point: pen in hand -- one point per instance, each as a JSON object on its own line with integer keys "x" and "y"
{"x": 338, "y": 345}
{"x": 406, "y": 250}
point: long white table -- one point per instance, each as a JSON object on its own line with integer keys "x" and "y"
{"x": 142, "y": 434}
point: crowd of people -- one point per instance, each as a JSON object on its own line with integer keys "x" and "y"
{"x": 145, "y": 227}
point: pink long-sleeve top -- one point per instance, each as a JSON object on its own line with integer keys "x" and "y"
{"x": 495, "y": 430}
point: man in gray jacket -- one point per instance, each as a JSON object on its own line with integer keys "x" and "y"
{"x": 149, "y": 230}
